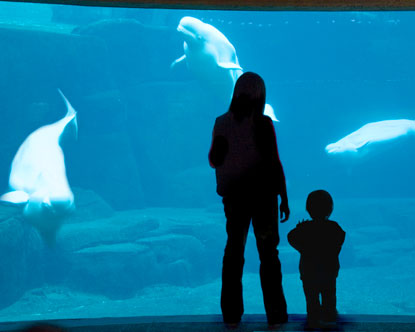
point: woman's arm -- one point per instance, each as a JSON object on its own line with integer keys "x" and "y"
{"x": 277, "y": 170}
{"x": 218, "y": 150}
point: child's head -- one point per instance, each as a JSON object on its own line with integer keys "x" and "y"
{"x": 319, "y": 204}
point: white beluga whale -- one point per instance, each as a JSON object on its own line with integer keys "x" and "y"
{"x": 208, "y": 54}
{"x": 372, "y": 133}
{"x": 38, "y": 177}
{"x": 212, "y": 58}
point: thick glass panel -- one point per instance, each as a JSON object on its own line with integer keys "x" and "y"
{"x": 114, "y": 210}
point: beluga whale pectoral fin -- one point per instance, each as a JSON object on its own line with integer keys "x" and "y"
{"x": 337, "y": 147}
{"x": 178, "y": 60}
{"x": 15, "y": 197}
{"x": 46, "y": 201}
{"x": 229, "y": 65}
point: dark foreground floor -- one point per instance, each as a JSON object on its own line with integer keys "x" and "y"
{"x": 213, "y": 323}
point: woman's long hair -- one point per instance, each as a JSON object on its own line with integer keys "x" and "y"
{"x": 248, "y": 96}
{"x": 249, "y": 100}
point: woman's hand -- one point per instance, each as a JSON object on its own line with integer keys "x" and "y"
{"x": 284, "y": 211}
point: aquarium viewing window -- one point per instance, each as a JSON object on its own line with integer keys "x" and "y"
{"x": 109, "y": 204}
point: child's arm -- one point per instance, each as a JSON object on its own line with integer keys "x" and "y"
{"x": 337, "y": 237}
{"x": 342, "y": 236}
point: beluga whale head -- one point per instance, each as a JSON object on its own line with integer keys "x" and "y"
{"x": 211, "y": 57}
{"x": 192, "y": 29}
{"x": 372, "y": 133}
{"x": 38, "y": 177}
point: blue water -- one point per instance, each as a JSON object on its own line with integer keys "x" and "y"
{"x": 148, "y": 229}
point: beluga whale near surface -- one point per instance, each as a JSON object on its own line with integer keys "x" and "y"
{"x": 211, "y": 58}
{"x": 38, "y": 177}
{"x": 370, "y": 133}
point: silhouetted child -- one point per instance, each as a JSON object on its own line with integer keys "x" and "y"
{"x": 319, "y": 242}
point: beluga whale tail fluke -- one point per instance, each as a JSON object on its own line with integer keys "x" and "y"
{"x": 269, "y": 111}
{"x": 211, "y": 57}
{"x": 38, "y": 177}
{"x": 373, "y": 132}
{"x": 70, "y": 113}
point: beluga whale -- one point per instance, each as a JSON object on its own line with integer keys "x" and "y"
{"x": 211, "y": 58}
{"x": 373, "y": 132}
{"x": 38, "y": 177}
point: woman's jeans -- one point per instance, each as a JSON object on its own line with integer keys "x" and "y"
{"x": 263, "y": 211}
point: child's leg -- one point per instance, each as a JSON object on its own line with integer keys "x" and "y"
{"x": 311, "y": 292}
{"x": 328, "y": 299}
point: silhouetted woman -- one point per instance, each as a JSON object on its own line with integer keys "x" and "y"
{"x": 250, "y": 178}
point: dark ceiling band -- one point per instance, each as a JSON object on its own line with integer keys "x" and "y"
{"x": 306, "y": 5}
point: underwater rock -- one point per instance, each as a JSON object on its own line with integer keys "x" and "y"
{"x": 134, "y": 48}
{"x": 194, "y": 187}
{"x": 117, "y": 270}
{"x": 136, "y": 248}
{"x": 103, "y": 250}
{"x": 102, "y": 140}
{"x": 375, "y": 234}
{"x": 289, "y": 258}
{"x": 386, "y": 252}
{"x": 125, "y": 226}
{"x": 113, "y": 248}
{"x": 378, "y": 245}
{"x": 21, "y": 264}
{"x": 79, "y": 14}
{"x": 10, "y": 211}
{"x": 89, "y": 206}
{"x": 192, "y": 236}
{"x": 120, "y": 270}
{"x": 33, "y": 13}
{"x": 168, "y": 248}
{"x": 109, "y": 168}
{"x": 169, "y": 120}
{"x": 56, "y": 54}
{"x": 104, "y": 112}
